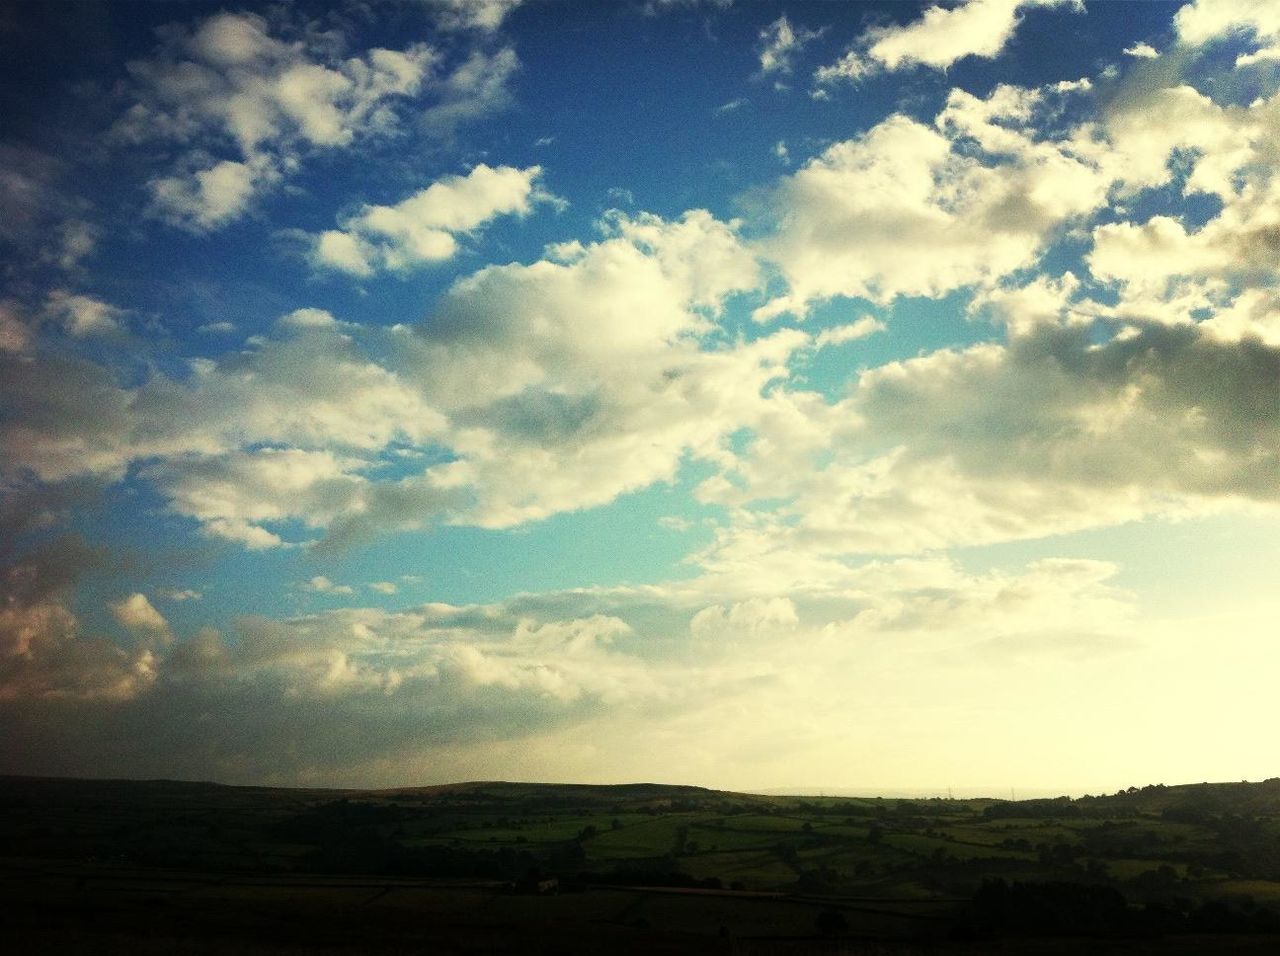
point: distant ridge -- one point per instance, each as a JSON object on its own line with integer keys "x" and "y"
{"x": 490, "y": 789}
{"x": 498, "y": 787}
{"x": 508, "y": 789}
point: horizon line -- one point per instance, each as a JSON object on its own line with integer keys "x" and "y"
{"x": 960, "y": 792}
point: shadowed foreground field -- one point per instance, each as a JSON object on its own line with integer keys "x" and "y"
{"x": 160, "y": 866}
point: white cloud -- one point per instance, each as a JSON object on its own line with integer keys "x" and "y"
{"x": 484, "y": 15}
{"x": 656, "y": 7}
{"x": 79, "y": 239}
{"x": 840, "y": 334}
{"x": 217, "y": 328}
{"x": 1146, "y": 125}
{"x": 1206, "y": 20}
{"x": 851, "y": 67}
{"x": 1142, "y": 51}
{"x": 1254, "y": 314}
{"x": 384, "y": 587}
{"x": 83, "y": 316}
{"x": 42, "y": 220}
{"x": 234, "y": 495}
{"x": 940, "y": 38}
{"x": 749, "y": 618}
{"x": 914, "y": 642}
{"x": 15, "y": 334}
{"x": 344, "y": 252}
{"x": 560, "y": 399}
{"x": 211, "y": 198}
{"x": 283, "y": 426}
{"x": 1165, "y": 268}
{"x": 309, "y": 319}
{"x": 63, "y": 664}
{"x": 1254, "y": 21}
{"x": 424, "y": 227}
{"x": 1048, "y": 434}
{"x": 232, "y": 74}
{"x": 231, "y": 79}
{"x": 532, "y": 387}
{"x": 181, "y": 594}
{"x": 780, "y": 43}
{"x": 857, "y": 219}
{"x": 44, "y": 655}
{"x": 477, "y": 87}
{"x": 137, "y": 614}
{"x": 322, "y": 585}
{"x": 1156, "y": 251}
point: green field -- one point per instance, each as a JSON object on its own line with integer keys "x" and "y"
{"x": 1162, "y": 860}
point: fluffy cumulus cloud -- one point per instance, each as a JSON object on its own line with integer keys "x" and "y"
{"x": 1174, "y": 412}
{"x": 245, "y": 100}
{"x": 1206, "y": 21}
{"x": 317, "y": 696}
{"x": 1174, "y": 270}
{"x": 558, "y": 398}
{"x": 1148, "y": 386}
{"x": 942, "y": 36}
{"x": 532, "y": 386}
{"x": 765, "y": 686}
{"x": 83, "y": 315}
{"x": 437, "y": 673}
{"x": 234, "y": 442}
{"x": 424, "y": 227}
{"x": 1050, "y": 433}
{"x": 307, "y": 387}
{"x": 753, "y": 616}
{"x": 45, "y": 653}
{"x": 236, "y": 495}
{"x": 915, "y": 209}
{"x": 530, "y": 389}
{"x": 993, "y": 181}
{"x": 1111, "y": 244}
{"x": 139, "y": 615}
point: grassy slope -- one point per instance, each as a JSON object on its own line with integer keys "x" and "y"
{"x": 1167, "y": 846}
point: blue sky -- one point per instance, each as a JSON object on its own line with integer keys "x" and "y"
{"x": 396, "y": 393}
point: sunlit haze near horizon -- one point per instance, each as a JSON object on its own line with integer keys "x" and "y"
{"x": 859, "y": 397}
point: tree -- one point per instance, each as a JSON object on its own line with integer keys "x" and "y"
{"x": 831, "y": 923}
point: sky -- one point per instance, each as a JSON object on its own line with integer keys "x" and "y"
{"x": 751, "y": 394}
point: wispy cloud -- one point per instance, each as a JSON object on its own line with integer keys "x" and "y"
{"x": 483, "y": 15}
{"x": 781, "y": 43}
{"x": 322, "y": 585}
